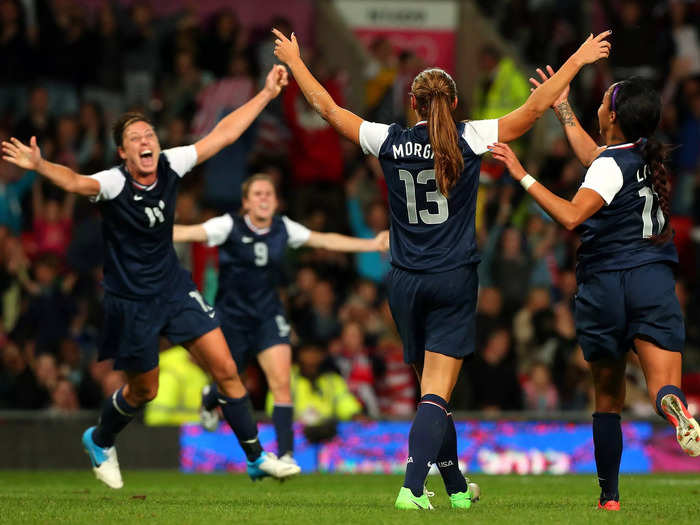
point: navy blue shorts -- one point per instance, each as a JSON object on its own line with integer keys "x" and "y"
{"x": 435, "y": 311}
{"x": 132, "y": 326}
{"x": 613, "y": 308}
{"x": 247, "y": 339}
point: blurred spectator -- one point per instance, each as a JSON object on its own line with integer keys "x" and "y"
{"x": 64, "y": 399}
{"x": 353, "y": 360}
{"x": 381, "y": 74}
{"x": 538, "y": 389}
{"x": 17, "y": 50}
{"x": 53, "y": 222}
{"x": 319, "y": 393}
{"x": 14, "y": 185}
{"x": 38, "y": 122}
{"x": 396, "y": 386}
{"x": 319, "y": 322}
{"x": 19, "y": 388}
{"x": 366, "y": 225}
{"x": 492, "y": 375}
{"x": 501, "y": 88}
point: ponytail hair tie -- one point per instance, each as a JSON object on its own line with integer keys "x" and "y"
{"x": 642, "y": 141}
{"x": 613, "y": 95}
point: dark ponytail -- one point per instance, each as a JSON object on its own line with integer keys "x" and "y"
{"x": 654, "y": 154}
{"x": 638, "y": 109}
{"x": 435, "y": 91}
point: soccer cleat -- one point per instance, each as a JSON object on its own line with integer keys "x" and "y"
{"x": 208, "y": 418}
{"x": 464, "y": 500}
{"x": 269, "y": 465}
{"x": 687, "y": 429}
{"x": 611, "y": 504}
{"x": 104, "y": 461}
{"x": 288, "y": 458}
{"x": 407, "y": 501}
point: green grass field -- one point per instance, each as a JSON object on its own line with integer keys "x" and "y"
{"x": 174, "y": 498}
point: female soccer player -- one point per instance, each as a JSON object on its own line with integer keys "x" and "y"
{"x": 147, "y": 293}
{"x": 626, "y": 297}
{"x": 432, "y": 172}
{"x": 251, "y": 259}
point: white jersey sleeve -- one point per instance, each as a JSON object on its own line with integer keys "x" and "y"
{"x": 111, "y": 184}
{"x": 372, "y": 136}
{"x": 480, "y": 133}
{"x": 604, "y": 177}
{"x": 182, "y": 159}
{"x": 218, "y": 229}
{"x": 297, "y": 234}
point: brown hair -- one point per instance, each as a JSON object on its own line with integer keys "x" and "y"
{"x": 126, "y": 120}
{"x": 435, "y": 91}
{"x": 245, "y": 187}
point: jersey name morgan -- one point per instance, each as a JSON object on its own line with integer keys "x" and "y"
{"x": 429, "y": 232}
{"x": 137, "y": 225}
{"x": 251, "y": 263}
{"x": 618, "y": 235}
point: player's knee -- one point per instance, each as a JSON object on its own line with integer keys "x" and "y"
{"x": 281, "y": 391}
{"x": 226, "y": 372}
{"x": 143, "y": 394}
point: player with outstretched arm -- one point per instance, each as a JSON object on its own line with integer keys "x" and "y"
{"x": 625, "y": 265}
{"x": 252, "y": 250}
{"x": 147, "y": 292}
{"x": 432, "y": 172}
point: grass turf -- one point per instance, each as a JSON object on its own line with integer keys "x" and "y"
{"x": 174, "y": 498}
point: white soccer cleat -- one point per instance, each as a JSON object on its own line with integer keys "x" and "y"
{"x": 104, "y": 461}
{"x": 208, "y": 418}
{"x": 270, "y": 465}
{"x": 687, "y": 429}
{"x": 289, "y": 459}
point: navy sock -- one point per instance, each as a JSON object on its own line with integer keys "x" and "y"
{"x": 607, "y": 441}
{"x": 210, "y": 400}
{"x": 282, "y": 420}
{"x": 116, "y": 414}
{"x": 669, "y": 389}
{"x": 425, "y": 440}
{"x": 448, "y": 462}
{"x": 238, "y": 415}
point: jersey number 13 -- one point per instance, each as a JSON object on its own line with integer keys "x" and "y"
{"x": 425, "y": 216}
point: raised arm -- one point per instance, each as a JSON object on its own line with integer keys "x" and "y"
{"x": 233, "y": 125}
{"x": 517, "y": 122}
{"x": 567, "y": 213}
{"x": 194, "y": 233}
{"x": 581, "y": 142}
{"x": 342, "y": 243}
{"x": 343, "y": 121}
{"x": 29, "y": 158}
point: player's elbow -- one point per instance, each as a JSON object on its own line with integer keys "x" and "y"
{"x": 572, "y": 222}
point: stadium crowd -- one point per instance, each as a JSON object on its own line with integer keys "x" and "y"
{"x": 63, "y": 80}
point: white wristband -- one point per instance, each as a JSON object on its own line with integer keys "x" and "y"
{"x": 527, "y": 181}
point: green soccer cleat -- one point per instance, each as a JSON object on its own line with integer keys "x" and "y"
{"x": 464, "y": 500}
{"x": 407, "y": 501}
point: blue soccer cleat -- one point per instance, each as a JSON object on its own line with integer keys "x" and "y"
{"x": 269, "y": 465}
{"x": 104, "y": 461}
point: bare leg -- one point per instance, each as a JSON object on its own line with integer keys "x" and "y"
{"x": 276, "y": 363}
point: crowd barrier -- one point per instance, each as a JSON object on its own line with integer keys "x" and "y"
{"x": 491, "y": 447}
{"x": 517, "y": 443}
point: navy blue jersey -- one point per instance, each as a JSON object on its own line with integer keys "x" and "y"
{"x": 429, "y": 232}
{"x": 250, "y": 264}
{"x": 137, "y": 225}
{"x": 617, "y": 236}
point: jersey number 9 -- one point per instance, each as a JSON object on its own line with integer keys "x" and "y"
{"x": 426, "y": 217}
{"x": 261, "y": 254}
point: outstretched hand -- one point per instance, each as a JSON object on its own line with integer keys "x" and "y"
{"x": 276, "y": 79}
{"x": 501, "y": 151}
{"x": 382, "y": 240}
{"x": 563, "y": 96}
{"x": 594, "y": 48}
{"x": 26, "y": 157}
{"x": 286, "y": 49}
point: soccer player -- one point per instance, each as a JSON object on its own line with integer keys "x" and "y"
{"x": 251, "y": 259}
{"x": 625, "y": 269}
{"x": 432, "y": 172}
{"x": 147, "y": 292}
